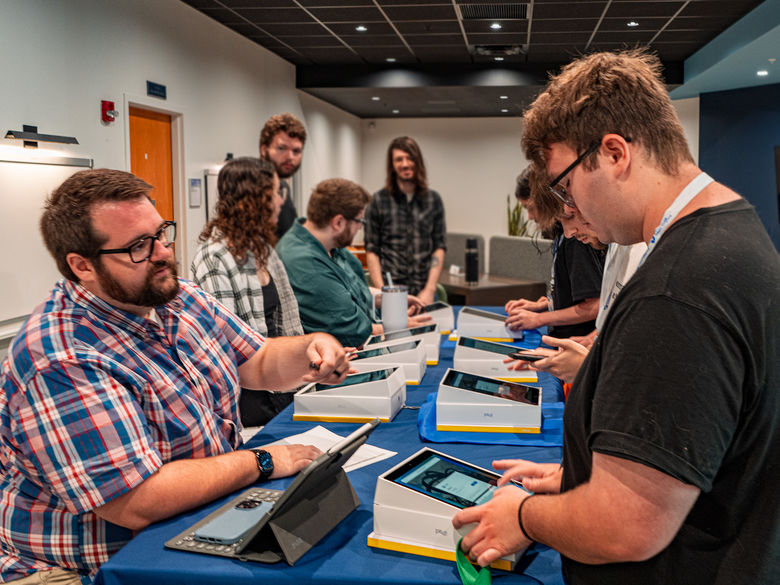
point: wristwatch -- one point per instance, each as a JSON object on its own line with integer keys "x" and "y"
{"x": 265, "y": 463}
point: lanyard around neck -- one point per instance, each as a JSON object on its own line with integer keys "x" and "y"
{"x": 690, "y": 191}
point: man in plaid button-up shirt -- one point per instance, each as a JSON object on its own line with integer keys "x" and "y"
{"x": 405, "y": 227}
{"x": 118, "y": 401}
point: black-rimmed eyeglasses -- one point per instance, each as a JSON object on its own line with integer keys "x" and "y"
{"x": 141, "y": 250}
{"x": 361, "y": 221}
{"x": 559, "y": 190}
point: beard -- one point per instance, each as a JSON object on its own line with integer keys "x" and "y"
{"x": 344, "y": 239}
{"x": 283, "y": 173}
{"x": 150, "y": 294}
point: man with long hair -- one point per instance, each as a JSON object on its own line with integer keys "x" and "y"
{"x": 405, "y": 226}
{"x": 670, "y": 471}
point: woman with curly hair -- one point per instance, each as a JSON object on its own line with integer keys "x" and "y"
{"x": 236, "y": 263}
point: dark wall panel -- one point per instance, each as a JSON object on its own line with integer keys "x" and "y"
{"x": 738, "y": 133}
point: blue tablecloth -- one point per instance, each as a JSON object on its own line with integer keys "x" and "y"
{"x": 342, "y": 557}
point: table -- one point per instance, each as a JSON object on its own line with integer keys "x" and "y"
{"x": 342, "y": 557}
{"x": 489, "y": 290}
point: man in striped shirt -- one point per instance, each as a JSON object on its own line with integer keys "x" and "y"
{"x": 119, "y": 394}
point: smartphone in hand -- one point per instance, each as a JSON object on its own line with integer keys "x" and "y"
{"x": 525, "y": 356}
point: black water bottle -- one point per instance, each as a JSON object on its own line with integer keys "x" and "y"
{"x": 472, "y": 260}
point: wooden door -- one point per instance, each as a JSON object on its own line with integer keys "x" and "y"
{"x": 150, "y": 156}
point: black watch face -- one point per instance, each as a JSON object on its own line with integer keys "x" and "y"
{"x": 265, "y": 460}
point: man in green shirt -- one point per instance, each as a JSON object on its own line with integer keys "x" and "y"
{"x": 327, "y": 279}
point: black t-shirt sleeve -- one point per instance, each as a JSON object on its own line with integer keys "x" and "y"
{"x": 585, "y": 268}
{"x": 674, "y": 408}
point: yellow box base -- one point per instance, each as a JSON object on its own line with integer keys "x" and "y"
{"x": 475, "y": 429}
{"x": 425, "y": 551}
{"x": 345, "y": 419}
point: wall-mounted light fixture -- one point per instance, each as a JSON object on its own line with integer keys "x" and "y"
{"x": 31, "y": 137}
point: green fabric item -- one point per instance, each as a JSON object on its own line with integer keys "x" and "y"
{"x": 330, "y": 289}
{"x": 468, "y": 574}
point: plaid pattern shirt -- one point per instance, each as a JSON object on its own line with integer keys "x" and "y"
{"x": 404, "y": 234}
{"x": 94, "y": 400}
{"x": 237, "y": 287}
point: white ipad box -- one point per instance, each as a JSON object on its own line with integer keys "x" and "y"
{"x": 485, "y": 325}
{"x": 378, "y": 393}
{"x": 442, "y": 315}
{"x": 409, "y": 353}
{"x": 415, "y": 501}
{"x": 429, "y": 334}
{"x": 486, "y": 358}
{"x": 473, "y": 403}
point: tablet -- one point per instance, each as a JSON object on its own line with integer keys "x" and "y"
{"x": 498, "y": 388}
{"x": 270, "y": 525}
{"x": 434, "y": 307}
{"x": 446, "y": 479}
{"x": 401, "y": 333}
{"x": 387, "y": 350}
{"x": 481, "y": 313}
{"x": 498, "y": 348}
{"x": 354, "y": 379}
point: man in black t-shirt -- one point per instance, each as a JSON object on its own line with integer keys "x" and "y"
{"x": 670, "y": 471}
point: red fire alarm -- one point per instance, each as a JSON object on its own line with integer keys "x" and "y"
{"x": 107, "y": 112}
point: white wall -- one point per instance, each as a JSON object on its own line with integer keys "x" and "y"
{"x": 333, "y": 145}
{"x": 473, "y": 162}
{"x": 61, "y": 58}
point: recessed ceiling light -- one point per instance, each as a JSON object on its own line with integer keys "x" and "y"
{"x": 361, "y": 28}
{"x": 632, "y": 23}
{"x": 762, "y": 73}
{"x": 375, "y": 98}
{"x": 504, "y": 110}
{"x": 503, "y": 97}
{"x": 390, "y": 59}
{"x": 396, "y": 111}
{"x": 495, "y": 26}
{"x": 498, "y": 58}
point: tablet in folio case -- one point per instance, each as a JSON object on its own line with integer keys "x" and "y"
{"x": 290, "y": 522}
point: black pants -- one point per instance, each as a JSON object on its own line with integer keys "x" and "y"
{"x": 257, "y": 407}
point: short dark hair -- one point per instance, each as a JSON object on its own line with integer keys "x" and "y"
{"x": 244, "y": 208}
{"x": 286, "y": 123}
{"x": 334, "y": 197}
{"x": 410, "y": 147}
{"x": 66, "y": 223}
{"x": 523, "y": 188}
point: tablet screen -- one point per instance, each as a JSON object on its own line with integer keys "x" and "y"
{"x": 446, "y": 479}
{"x": 484, "y": 385}
{"x": 401, "y": 333}
{"x": 361, "y": 378}
{"x": 487, "y": 346}
{"x": 485, "y": 314}
{"x": 376, "y": 352}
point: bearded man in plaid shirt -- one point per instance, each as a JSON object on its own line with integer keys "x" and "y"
{"x": 119, "y": 394}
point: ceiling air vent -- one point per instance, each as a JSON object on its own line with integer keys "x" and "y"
{"x": 493, "y": 11}
{"x": 498, "y": 50}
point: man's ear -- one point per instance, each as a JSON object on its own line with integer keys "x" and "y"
{"x": 82, "y": 267}
{"x": 337, "y": 222}
{"x": 263, "y": 150}
{"x": 617, "y": 152}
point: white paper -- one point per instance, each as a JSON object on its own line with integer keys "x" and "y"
{"x": 323, "y": 439}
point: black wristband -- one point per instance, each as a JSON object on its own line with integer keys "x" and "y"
{"x": 520, "y": 517}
